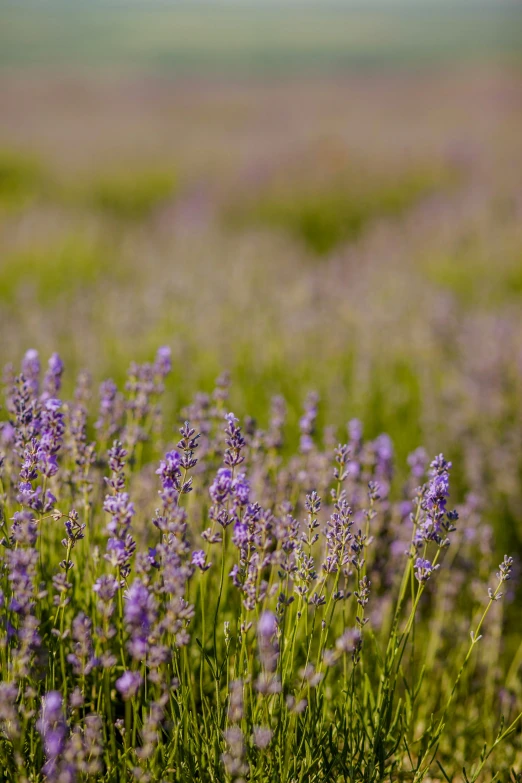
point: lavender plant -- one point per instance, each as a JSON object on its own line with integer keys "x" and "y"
{"x": 217, "y": 610}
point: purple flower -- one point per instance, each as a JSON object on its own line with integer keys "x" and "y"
{"x": 82, "y": 659}
{"x": 240, "y": 535}
{"x": 128, "y": 684}
{"x": 121, "y": 510}
{"x": 355, "y": 431}
{"x": 51, "y": 436}
{"x": 221, "y": 488}
{"x": 417, "y": 461}
{"x": 435, "y": 522}
{"x": 106, "y": 587}
{"x": 53, "y": 377}
{"x": 31, "y": 369}
{"x": 235, "y": 442}
{"x": 262, "y": 737}
{"x": 53, "y": 730}
{"x": 163, "y": 361}
{"x": 111, "y": 409}
{"x": 21, "y": 565}
{"x": 119, "y": 553}
{"x": 423, "y": 569}
{"x": 169, "y": 468}
{"x": 307, "y": 422}
{"x": 241, "y": 489}
{"x": 268, "y": 647}
{"x": 199, "y": 559}
{"x": 140, "y": 614}
{"x": 267, "y": 625}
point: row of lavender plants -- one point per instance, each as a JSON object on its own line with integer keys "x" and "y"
{"x": 223, "y": 607}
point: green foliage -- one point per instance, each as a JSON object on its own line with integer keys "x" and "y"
{"x": 130, "y": 195}
{"x": 323, "y": 217}
{"x": 475, "y": 279}
{"x": 54, "y": 272}
{"x": 21, "y": 178}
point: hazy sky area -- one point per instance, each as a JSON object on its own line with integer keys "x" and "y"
{"x": 247, "y": 35}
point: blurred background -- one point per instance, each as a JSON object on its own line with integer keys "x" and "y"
{"x": 311, "y": 195}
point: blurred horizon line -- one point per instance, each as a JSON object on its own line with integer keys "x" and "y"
{"x": 248, "y": 36}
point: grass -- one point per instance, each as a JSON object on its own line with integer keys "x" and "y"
{"x": 21, "y": 178}
{"x": 130, "y": 195}
{"x": 44, "y": 272}
{"x": 325, "y": 216}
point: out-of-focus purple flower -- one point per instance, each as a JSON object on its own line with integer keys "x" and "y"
{"x": 53, "y": 730}
{"x": 140, "y": 613}
{"x": 262, "y": 736}
{"x": 82, "y": 659}
{"x": 355, "y": 430}
{"x": 418, "y": 461}
{"x": 106, "y": 587}
{"x": 21, "y": 564}
{"x": 405, "y": 508}
{"x": 234, "y": 759}
{"x": 163, "y": 361}
{"x": 307, "y": 422}
{"x": 267, "y": 625}
{"x": 128, "y": 684}
{"x": 110, "y": 410}
{"x": 236, "y": 706}
{"x": 268, "y": 647}
{"x": 121, "y": 510}
{"x": 274, "y": 436}
{"x": 383, "y": 458}
{"x": 53, "y": 377}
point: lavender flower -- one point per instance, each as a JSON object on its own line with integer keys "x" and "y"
{"x": 53, "y": 730}
{"x": 423, "y": 569}
{"x": 307, "y": 422}
{"x": 129, "y": 684}
{"x": 262, "y": 737}
{"x": 199, "y": 560}
{"x": 221, "y": 488}
{"x": 436, "y": 522}
{"x": 31, "y": 370}
{"x": 111, "y": 410}
{"x": 268, "y": 648}
{"x": 53, "y": 377}
{"x": 163, "y": 362}
{"x": 140, "y": 614}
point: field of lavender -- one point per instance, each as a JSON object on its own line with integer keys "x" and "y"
{"x": 240, "y": 320}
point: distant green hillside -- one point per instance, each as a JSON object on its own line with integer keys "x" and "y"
{"x": 250, "y": 37}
